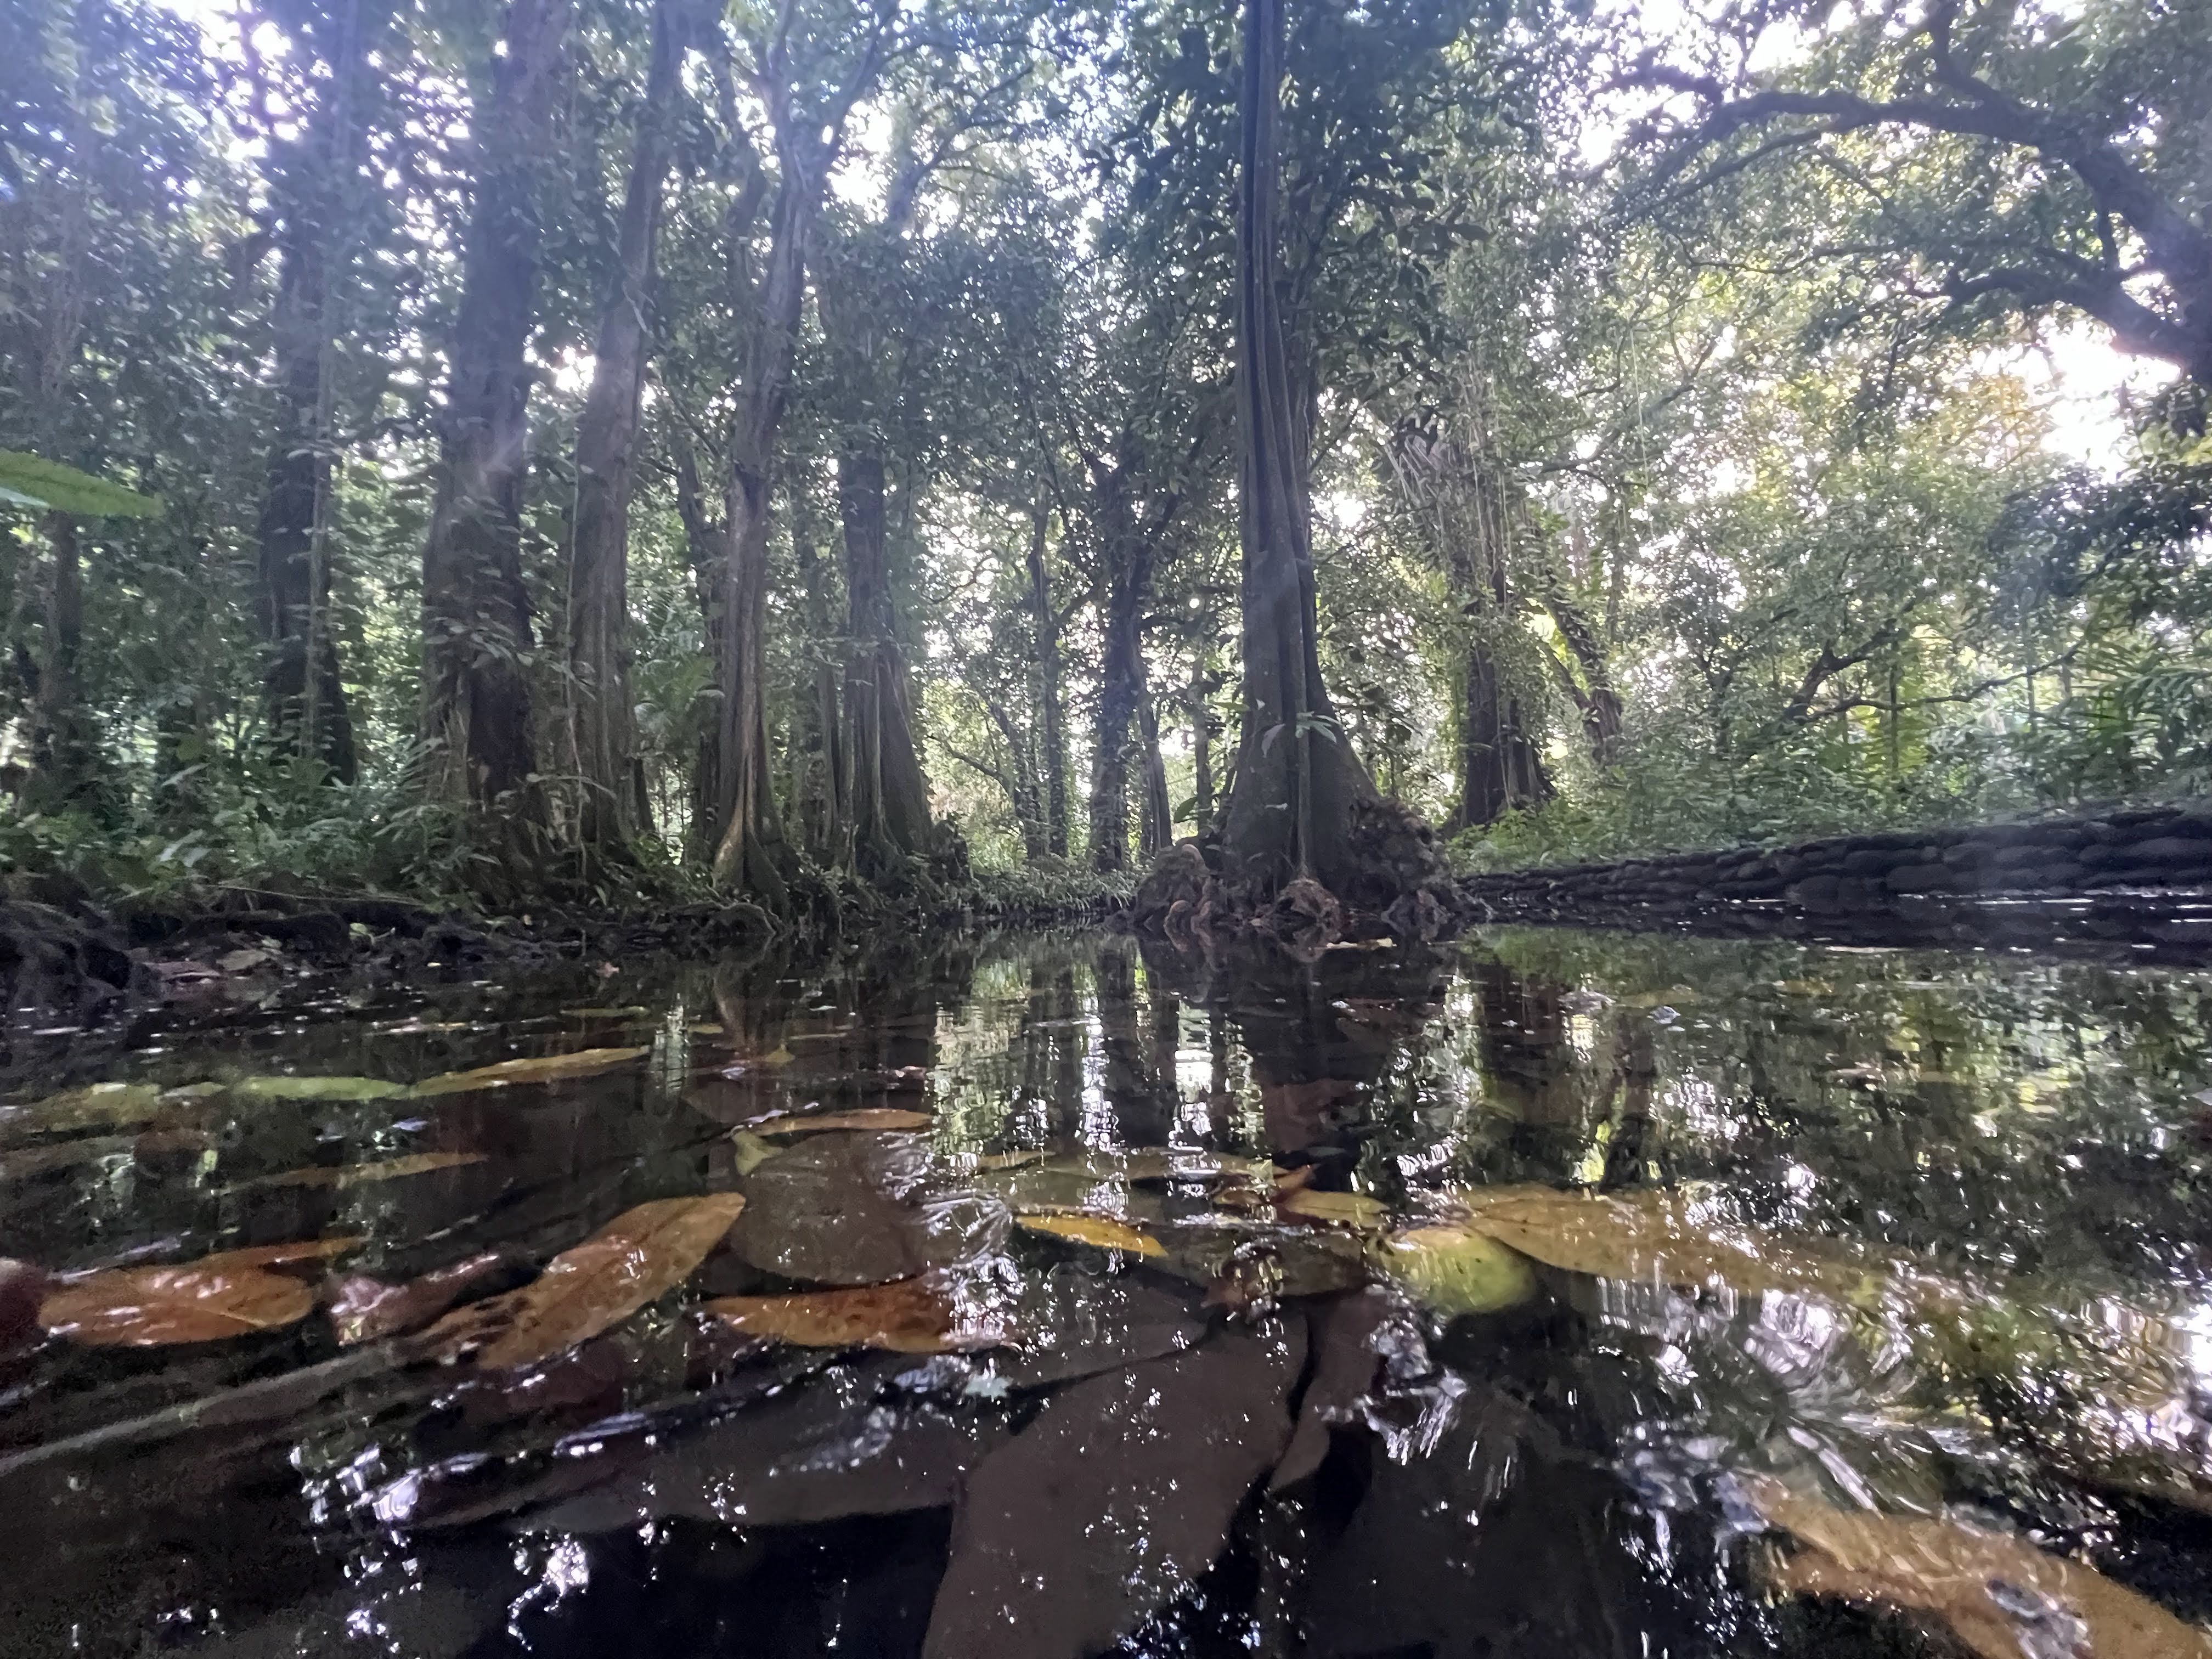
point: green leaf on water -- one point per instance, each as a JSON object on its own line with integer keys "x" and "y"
{"x": 318, "y": 1088}
{"x": 1456, "y": 1270}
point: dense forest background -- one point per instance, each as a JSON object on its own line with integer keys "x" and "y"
{"x": 635, "y": 444}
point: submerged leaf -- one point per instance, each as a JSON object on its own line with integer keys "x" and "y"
{"x": 356, "y": 1175}
{"x": 750, "y": 1150}
{"x": 858, "y": 1209}
{"x": 540, "y": 1068}
{"x": 1457, "y": 1270}
{"x": 639, "y": 1255}
{"x": 912, "y": 1315}
{"x": 318, "y": 1088}
{"x": 1353, "y": 1209}
{"x": 2000, "y": 1594}
{"x": 1093, "y": 1230}
{"x": 363, "y": 1309}
{"x": 887, "y": 1118}
{"x": 633, "y": 1011}
{"x": 1114, "y": 1501}
{"x": 1340, "y": 1333}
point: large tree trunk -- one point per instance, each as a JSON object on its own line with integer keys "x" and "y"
{"x": 1055, "y": 760}
{"x": 602, "y": 733}
{"x": 476, "y": 612}
{"x": 817, "y": 809}
{"x": 1201, "y": 741}
{"x": 886, "y": 797}
{"x": 303, "y": 691}
{"x": 1156, "y": 819}
{"x": 1290, "y": 806}
{"x": 1499, "y": 768}
{"x": 1593, "y": 694}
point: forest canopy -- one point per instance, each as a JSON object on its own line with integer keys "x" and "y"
{"x": 808, "y": 445}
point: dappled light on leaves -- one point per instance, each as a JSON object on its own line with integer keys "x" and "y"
{"x": 1098, "y": 1230}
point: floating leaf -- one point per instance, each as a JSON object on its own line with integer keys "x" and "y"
{"x": 356, "y": 1175}
{"x": 1016, "y": 1160}
{"x": 1114, "y": 1501}
{"x": 1457, "y": 1270}
{"x": 231, "y": 1293}
{"x": 541, "y": 1068}
{"x": 33, "y": 481}
{"x": 1073, "y": 1323}
{"x": 318, "y": 1088}
{"x": 633, "y": 1013}
{"x": 887, "y": 1118}
{"x": 639, "y": 1255}
{"x": 1666, "y": 1237}
{"x": 2000, "y": 1594}
{"x": 1340, "y": 1333}
{"x": 1352, "y": 1209}
{"x": 913, "y": 1316}
{"x": 858, "y": 1209}
{"x": 98, "y": 1105}
{"x": 363, "y": 1309}
{"x": 1093, "y": 1230}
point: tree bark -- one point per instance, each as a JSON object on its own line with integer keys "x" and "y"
{"x": 885, "y": 795}
{"x": 1055, "y": 765}
{"x": 475, "y": 722}
{"x": 1122, "y": 691}
{"x": 602, "y": 733}
{"x": 1156, "y": 820}
{"x": 1290, "y": 806}
{"x": 1201, "y": 741}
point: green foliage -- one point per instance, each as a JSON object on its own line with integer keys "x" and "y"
{"x": 26, "y": 481}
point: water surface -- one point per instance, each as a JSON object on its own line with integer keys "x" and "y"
{"x": 1549, "y": 1294}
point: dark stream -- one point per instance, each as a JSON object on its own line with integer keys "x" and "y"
{"x": 1552, "y": 1294}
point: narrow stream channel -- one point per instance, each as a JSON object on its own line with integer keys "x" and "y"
{"x": 1550, "y": 1294}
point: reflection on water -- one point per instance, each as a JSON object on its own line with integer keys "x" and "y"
{"x": 1556, "y": 1294}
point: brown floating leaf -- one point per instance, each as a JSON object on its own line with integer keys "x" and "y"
{"x": 356, "y": 1175}
{"x": 912, "y": 1315}
{"x": 1114, "y": 1500}
{"x": 148, "y": 1307}
{"x": 541, "y": 1069}
{"x": 633, "y": 1012}
{"x": 639, "y": 1255}
{"x": 1353, "y": 1209}
{"x": 887, "y": 1118}
{"x": 1008, "y": 1160}
{"x": 858, "y": 1209}
{"x": 282, "y": 1255}
{"x": 2000, "y": 1594}
{"x": 364, "y": 1309}
{"x": 1093, "y": 1230}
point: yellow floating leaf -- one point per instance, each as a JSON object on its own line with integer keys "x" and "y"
{"x": 99, "y": 1104}
{"x": 640, "y": 1255}
{"x": 1995, "y": 1591}
{"x": 1008, "y": 1160}
{"x": 231, "y": 1293}
{"x": 541, "y": 1069}
{"x": 752, "y": 1151}
{"x": 706, "y": 1028}
{"x": 1354, "y": 1209}
{"x": 908, "y": 1316}
{"x": 1093, "y": 1230}
{"x": 356, "y": 1175}
{"x": 318, "y": 1088}
{"x": 873, "y": 1117}
{"x": 1457, "y": 1270}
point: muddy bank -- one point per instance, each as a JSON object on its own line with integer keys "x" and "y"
{"x": 69, "y": 958}
{"x": 2136, "y": 879}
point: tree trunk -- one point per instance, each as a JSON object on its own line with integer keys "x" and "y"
{"x": 1201, "y": 742}
{"x": 1290, "y": 806}
{"x": 303, "y": 691}
{"x": 817, "y": 786}
{"x": 1156, "y": 822}
{"x": 1049, "y": 692}
{"x": 1499, "y": 768}
{"x": 476, "y": 620}
{"x": 751, "y": 854}
{"x": 1596, "y": 696}
{"x": 1121, "y": 693}
{"x": 886, "y": 796}
{"x": 602, "y": 734}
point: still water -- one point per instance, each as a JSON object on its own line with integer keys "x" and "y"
{"x": 1549, "y": 1294}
